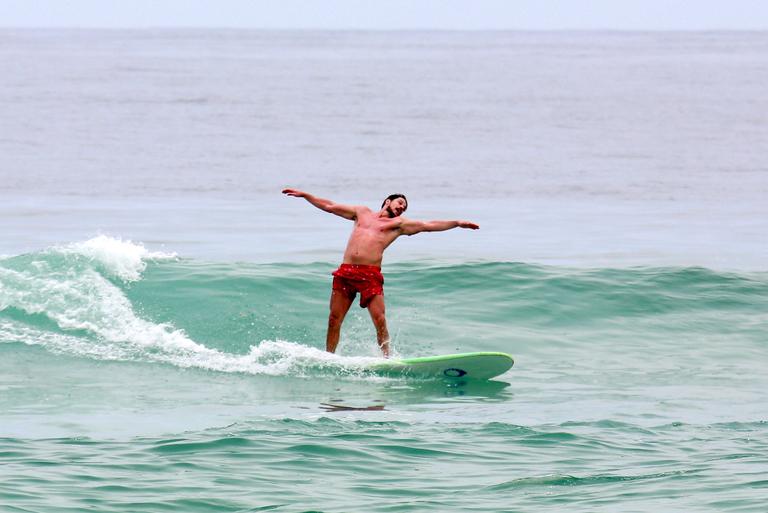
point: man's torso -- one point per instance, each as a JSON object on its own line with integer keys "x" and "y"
{"x": 370, "y": 236}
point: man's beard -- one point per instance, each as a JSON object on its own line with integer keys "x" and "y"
{"x": 390, "y": 212}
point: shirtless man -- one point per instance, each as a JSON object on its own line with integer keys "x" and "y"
{"x": 360, "y": 270}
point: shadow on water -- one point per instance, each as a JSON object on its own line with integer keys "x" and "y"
{"x": 340, "y": 407}
{"x": 416, "y": 393}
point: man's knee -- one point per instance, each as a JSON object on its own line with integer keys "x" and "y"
{"x": 379, "y": 318}
{"x": 335, "y": 319}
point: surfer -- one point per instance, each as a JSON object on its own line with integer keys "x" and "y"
{"x": 360, "y": 270}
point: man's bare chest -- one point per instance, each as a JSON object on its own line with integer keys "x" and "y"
{"x": 377, "y": 227}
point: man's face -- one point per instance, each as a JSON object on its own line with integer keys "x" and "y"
{"x": 396, "y": 207}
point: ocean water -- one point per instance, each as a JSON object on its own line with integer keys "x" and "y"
{"x": 163, "y": 306}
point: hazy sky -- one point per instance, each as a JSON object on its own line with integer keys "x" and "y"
{"x": 391, "y": 14}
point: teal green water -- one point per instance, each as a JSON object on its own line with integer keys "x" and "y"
{"x": 137, "y": 381}
{"x": 619, "y": 180}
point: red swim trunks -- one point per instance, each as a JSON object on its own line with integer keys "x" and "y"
{"x": 365, "y": 279}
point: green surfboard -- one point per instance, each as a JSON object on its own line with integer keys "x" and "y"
{"x": 483, "y": 365}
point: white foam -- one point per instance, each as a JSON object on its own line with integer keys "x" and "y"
{"x": 273, "y": 358}
{"x": 83, "y": 299}
{"x": 123, "y": 259}
{"x": 88, "y": 302}
{"x": 63, "y": 344}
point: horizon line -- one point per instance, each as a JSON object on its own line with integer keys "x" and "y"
{"x": 371, "y": 29}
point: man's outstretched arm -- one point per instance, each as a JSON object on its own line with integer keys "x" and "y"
{"x": 345, "y": 211}
{"x": 410, "y": 227}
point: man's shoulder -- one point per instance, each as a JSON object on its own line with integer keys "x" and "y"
{"x": 362, "y": 210}
{"x": 400, "y": 224}
{"x": 410, "y": 226}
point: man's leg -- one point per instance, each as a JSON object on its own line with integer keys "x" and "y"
{"x": 340, "y": 303}
{"x": 376, "y": 309}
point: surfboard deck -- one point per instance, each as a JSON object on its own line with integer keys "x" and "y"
{"x": 482, "y": 365}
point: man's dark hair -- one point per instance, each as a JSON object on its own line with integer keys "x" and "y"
{"x": 394, "y": 197}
